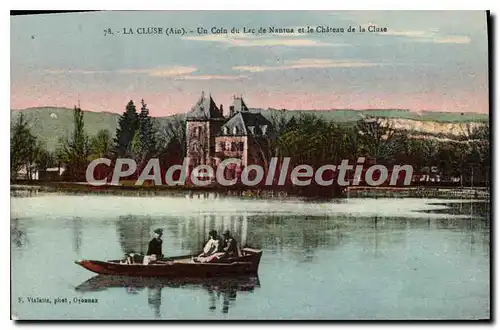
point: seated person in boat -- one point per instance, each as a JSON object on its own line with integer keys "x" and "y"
{"x": 230, "y": 247}
{"x": 154, "y": 247}
{"x": 133, "y": 258}
{"x": 212, "y": 247}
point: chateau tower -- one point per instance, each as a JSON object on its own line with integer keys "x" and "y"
{"x": 203, "y": 122}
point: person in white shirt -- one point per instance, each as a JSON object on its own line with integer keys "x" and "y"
{"x": 212, "y": 247}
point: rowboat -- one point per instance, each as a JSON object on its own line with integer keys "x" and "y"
{"x": 181, "y": 266}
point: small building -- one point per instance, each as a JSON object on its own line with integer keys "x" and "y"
{"x": 49, "y": 174}
{"x": 25, "y": 174}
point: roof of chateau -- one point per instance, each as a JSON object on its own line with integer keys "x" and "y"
{"x": 245, "y": 123}
{"x": 204, "y": 109}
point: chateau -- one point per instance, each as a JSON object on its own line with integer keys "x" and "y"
{"x": 213, "y": 136}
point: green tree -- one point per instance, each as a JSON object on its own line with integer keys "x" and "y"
{"x": 376, "y": 137}
{"x": 23, "y": 148}
{"x": 279, "y": 121}
{"x": 45, "y": 159}
{"x": 352, "y": 141}
{"x": 476, "y": 161}
{"x": 309, "y": 139}
{"x": 147, "y": 141}
{"x": 268, "y": 145}
{"x": 102, "y": 144}
{"x": 127, "y": 127}
{"x": 75, "y": 151}
{"x": 449, "y": 158}
{"x": 135, "y": 146}
{"x": 173, "y": 132}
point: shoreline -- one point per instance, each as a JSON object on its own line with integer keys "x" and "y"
{"x": 419, "y": 192}
{"x": 349, "y": 192}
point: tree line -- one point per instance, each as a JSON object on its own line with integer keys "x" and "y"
{"x": 305, "y": 138}
{"x": 309, "y": 139}
{"x": 136, "y": 137}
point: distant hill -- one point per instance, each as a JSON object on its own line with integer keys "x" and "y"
{"x": 50, "y": 124}
{"x": 348, "y": 115}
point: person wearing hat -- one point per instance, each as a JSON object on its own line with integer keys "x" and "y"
{"x": 154, "y": 247}
{"x": 230, "y": 247}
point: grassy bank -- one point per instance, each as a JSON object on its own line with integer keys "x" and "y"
{"x": 129, "y": 189}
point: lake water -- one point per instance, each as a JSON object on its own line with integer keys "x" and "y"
{"x": 340, "y": 260}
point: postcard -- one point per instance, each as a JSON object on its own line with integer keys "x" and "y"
{"x": 250, "y": 165}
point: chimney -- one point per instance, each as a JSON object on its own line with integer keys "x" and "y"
{"x": 231, "y": 110}
{"x": 221, "y": 111}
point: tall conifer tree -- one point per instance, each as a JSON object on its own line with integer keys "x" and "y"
{"x": 125, "y": 132}
{"x": 147, "y": 141}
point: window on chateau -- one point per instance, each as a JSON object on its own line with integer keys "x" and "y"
{"x": 241, "y": 146}
{"x": 222, "y": 146}
{"x": 224, "y": 131}
{"x": 228, "y": 145}
{"x": 235, "y": 130}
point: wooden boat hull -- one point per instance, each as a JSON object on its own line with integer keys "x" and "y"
{"x": 178, "y": 267}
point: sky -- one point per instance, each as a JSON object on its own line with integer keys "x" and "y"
{"x": 434, "y": 61}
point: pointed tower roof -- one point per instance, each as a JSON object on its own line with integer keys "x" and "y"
{"x": 239, "y": 105}
{"x": 204, "y": 109}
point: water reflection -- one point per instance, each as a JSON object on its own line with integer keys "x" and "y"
{"x": 301, "y": 236}
{"x": 134, "y": 233}
{"x": 18, "y": 233}
{"x": 479, "y": 209}
{"x": 222, "y": 292}
{"x": 381, "y": 267}
{"x": 77, "y": 234}
{"x": 24, "y": 192}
